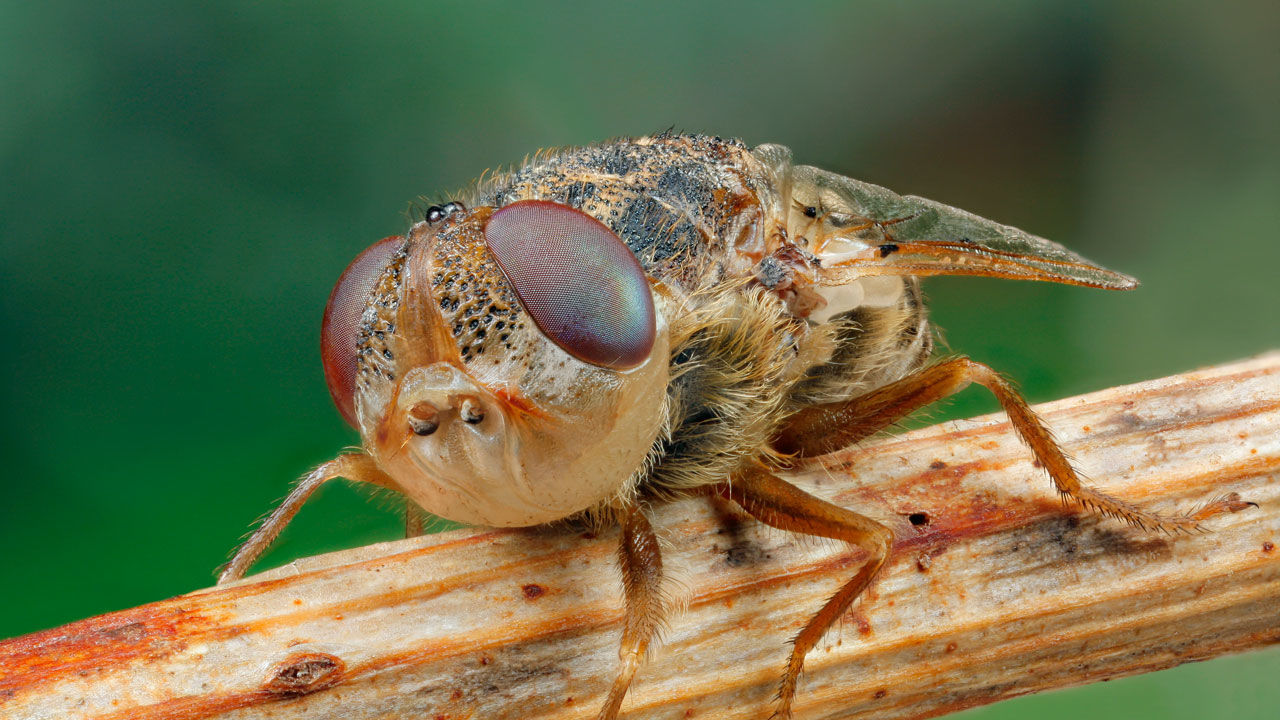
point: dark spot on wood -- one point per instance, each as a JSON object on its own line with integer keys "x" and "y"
{"x": 1268, "y": 547}
{"x": 950, "y": 648}
{"x": 918, "y": 519}
{"x": 1037, "y": 464}
{"x": 1067, "y": 539}
{"x": 304, "y": 673}
{"x": 532, "y": 591}
{"x": 743, "y": 553}
{"x": 880, "y": 693}
{"x": 1110, "y": 540}
{"x": 888, "y": 249}
{"x": 1129, "y": 420}
{"x": 937, "y": 465}
{"x": 1065, "y": 535}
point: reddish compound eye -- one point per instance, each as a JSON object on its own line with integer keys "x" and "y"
{"x": 579, "y": 282}
{"x": 340, "y": 331}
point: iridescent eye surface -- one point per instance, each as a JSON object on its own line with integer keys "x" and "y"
{"x": 340, "y": 331}
{"x": 579, "y": 282}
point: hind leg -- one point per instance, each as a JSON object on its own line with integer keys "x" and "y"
{"x": 826, "y": 428}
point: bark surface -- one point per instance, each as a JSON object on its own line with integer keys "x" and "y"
{"x": 993, "y": 589}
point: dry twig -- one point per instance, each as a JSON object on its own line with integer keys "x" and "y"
{"x": 994, "y": 590}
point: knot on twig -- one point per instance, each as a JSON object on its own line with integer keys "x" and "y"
{"x": 304, "y": 673}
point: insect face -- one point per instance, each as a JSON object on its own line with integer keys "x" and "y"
{"x": 495, "y": 378}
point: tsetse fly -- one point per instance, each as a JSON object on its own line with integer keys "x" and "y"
{"x": 612, "y": 326}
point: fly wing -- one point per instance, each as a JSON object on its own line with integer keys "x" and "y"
{"x": 859, "y": 229}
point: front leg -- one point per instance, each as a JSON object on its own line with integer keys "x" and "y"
{"x": 356, "y": 466}
{"x": 640, "y": 559}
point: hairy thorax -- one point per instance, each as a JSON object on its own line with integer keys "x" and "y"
{"x": 710, "y": 224}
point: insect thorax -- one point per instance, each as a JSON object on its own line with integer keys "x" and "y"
{"x": 701, "y": 214}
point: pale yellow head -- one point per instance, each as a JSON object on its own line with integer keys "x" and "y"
{"x": 507, "y": 393}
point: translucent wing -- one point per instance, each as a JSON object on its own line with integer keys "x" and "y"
{"x": 857, "y": 229}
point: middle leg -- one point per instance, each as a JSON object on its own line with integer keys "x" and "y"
{"x": 780, "y": 504}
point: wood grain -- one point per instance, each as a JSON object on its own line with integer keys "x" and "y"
{"x": 994, "y": 589}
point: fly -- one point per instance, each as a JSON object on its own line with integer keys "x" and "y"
{"x": 617, "y": 325}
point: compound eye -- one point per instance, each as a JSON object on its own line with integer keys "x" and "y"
{"x": 340, "y": 333}
{"x": 579, "y": 282}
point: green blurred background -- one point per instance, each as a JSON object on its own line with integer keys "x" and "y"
{"x": 181, "y": 184}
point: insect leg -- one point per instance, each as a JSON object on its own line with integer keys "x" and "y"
{"x": 641, "y": 561}
{"x": 356, "y": 466}
{"x": 780, "y": 504}
{"x": 825, "y": 428}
